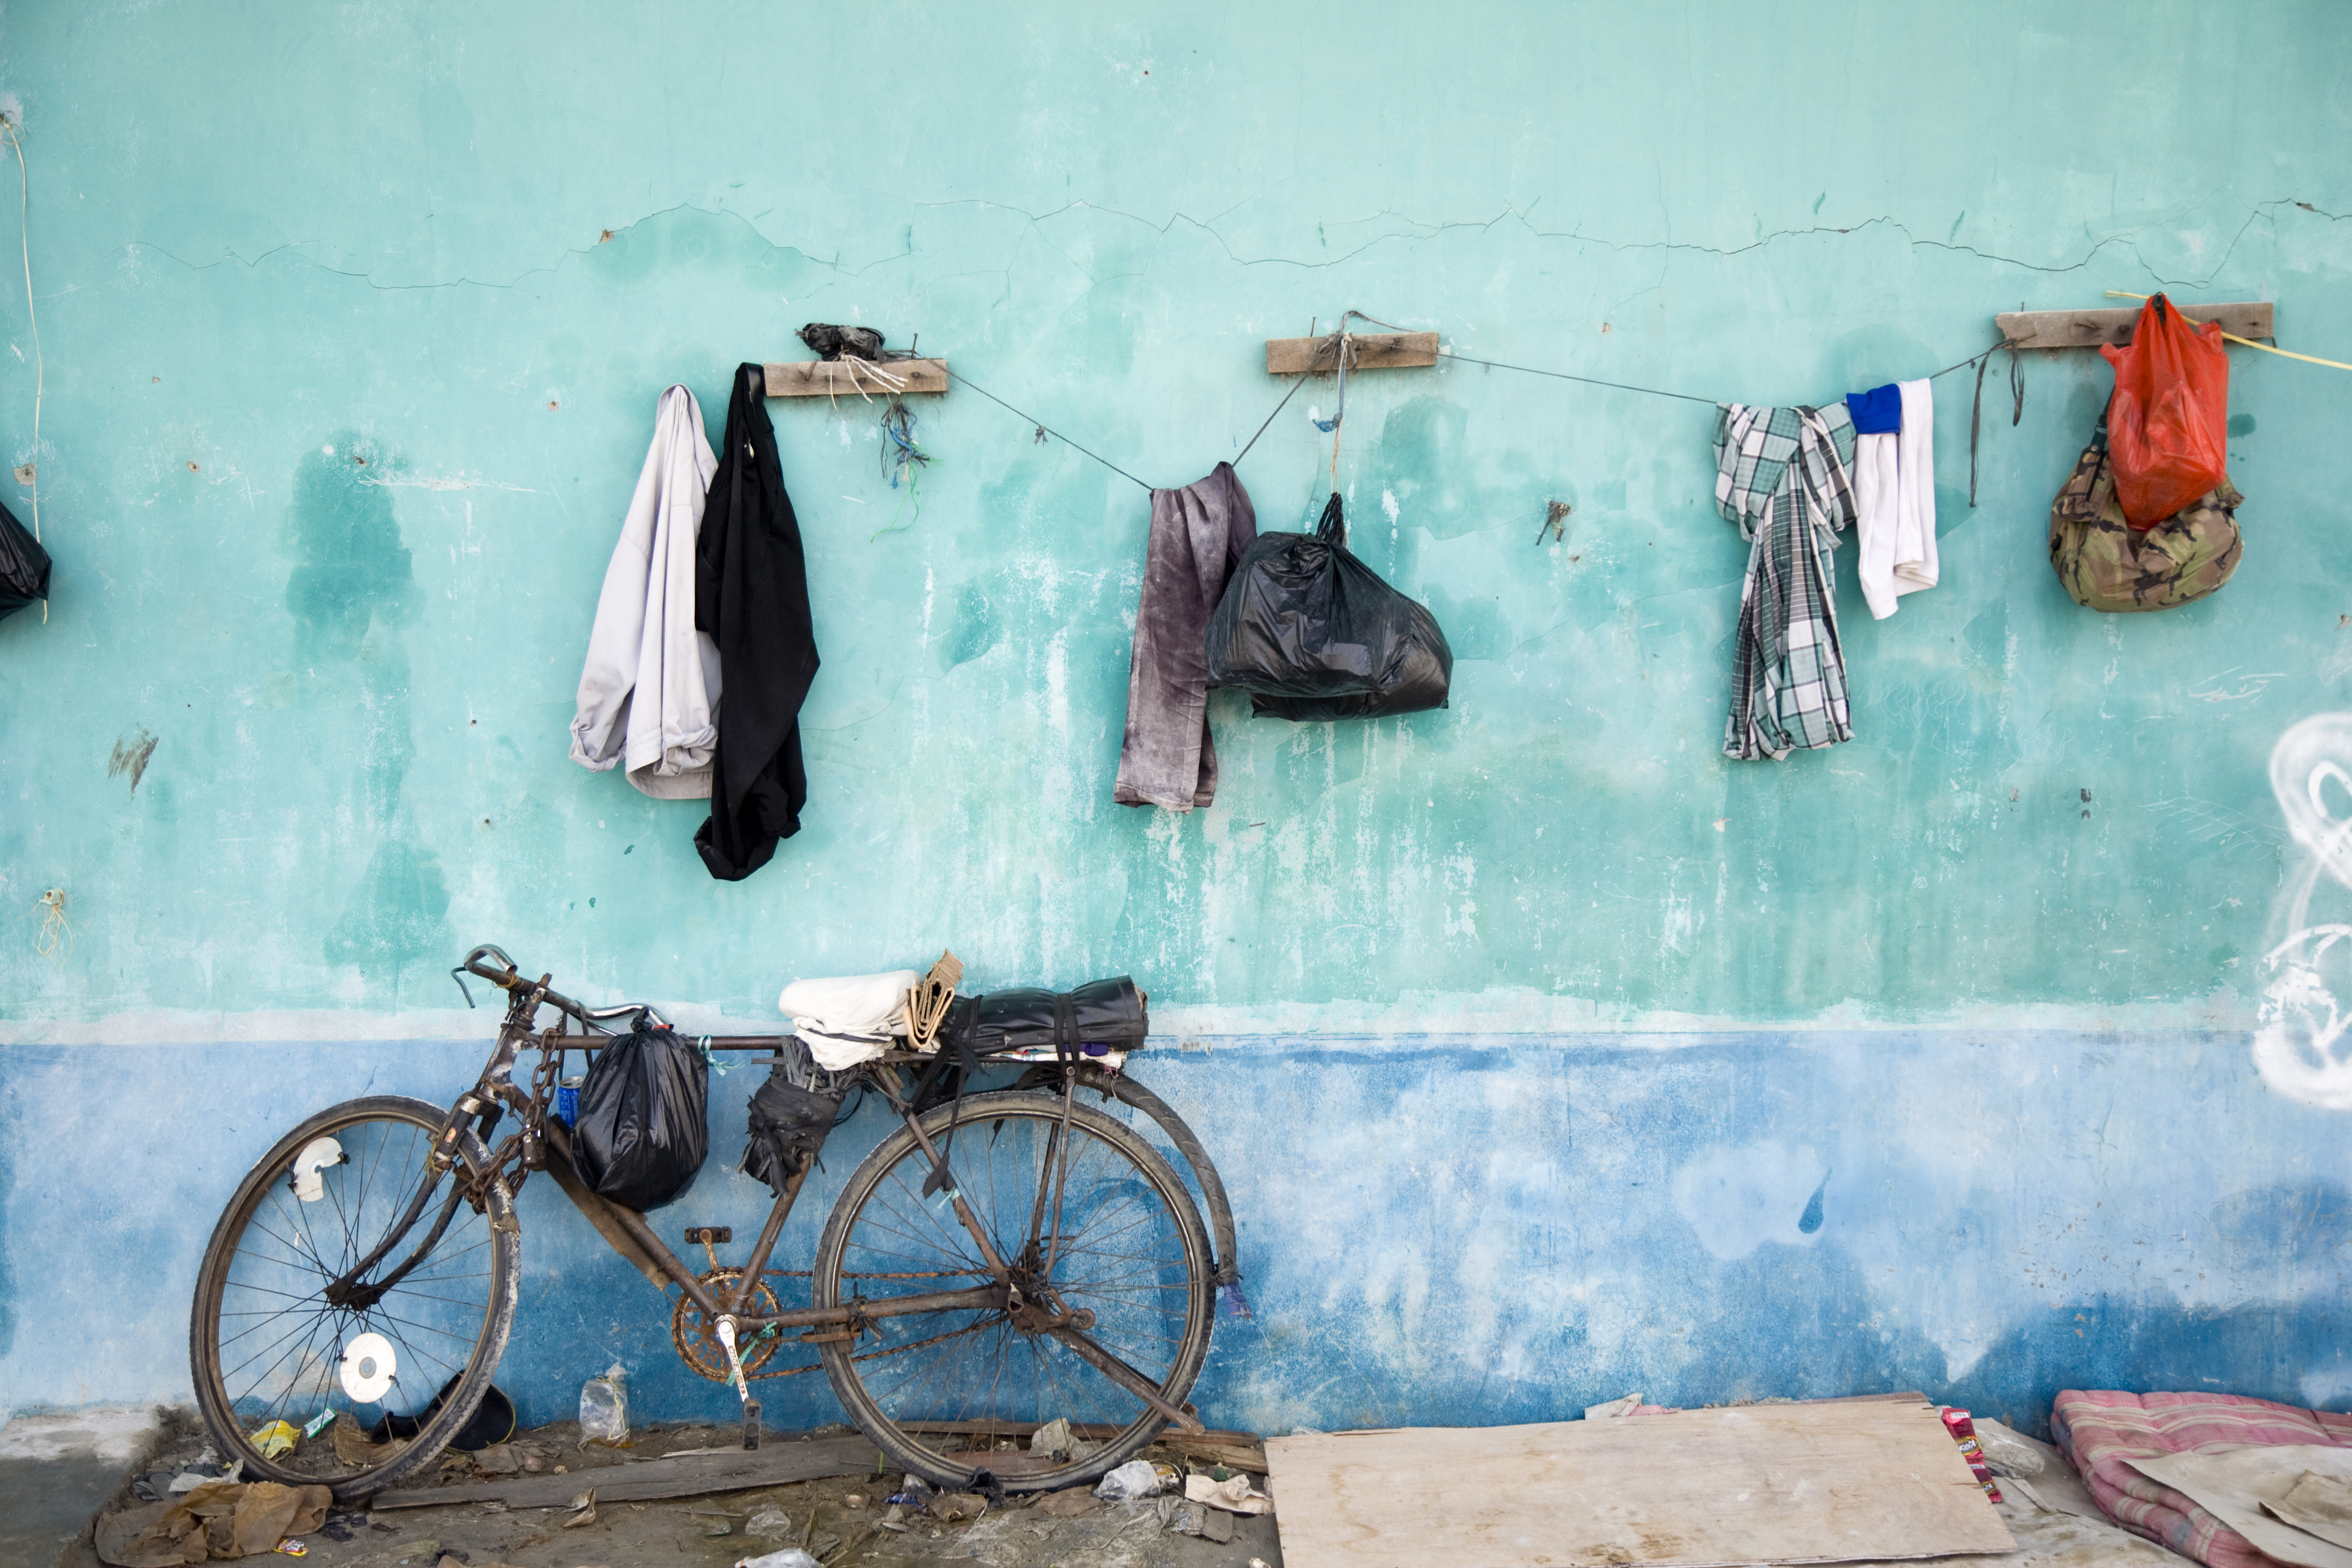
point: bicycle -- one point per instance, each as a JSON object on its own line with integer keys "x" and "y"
{"x": 965, "y": 1290}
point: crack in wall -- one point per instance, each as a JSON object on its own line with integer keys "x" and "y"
{"x": 1420, "y": 231}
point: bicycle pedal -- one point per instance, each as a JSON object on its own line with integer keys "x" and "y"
{"x": 751, "y": 1424}
{"x": 707, "y": 1233}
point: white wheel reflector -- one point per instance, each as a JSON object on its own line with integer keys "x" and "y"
{"x": 316, "y": 1156}
{"x": 368, "y": 1366}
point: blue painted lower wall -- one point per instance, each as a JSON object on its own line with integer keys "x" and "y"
{"x": 1433, "y": 1230}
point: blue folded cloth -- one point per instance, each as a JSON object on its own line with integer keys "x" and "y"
{"x": 1878, "y": 412}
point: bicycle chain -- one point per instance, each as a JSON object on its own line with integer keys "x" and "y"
{"x": 684, "y": 1307}
{"x": 872, "y": 1355}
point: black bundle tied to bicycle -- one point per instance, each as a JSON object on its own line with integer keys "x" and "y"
{"x": 1110, "y": 1014}
{"x": 792, "y": 1115}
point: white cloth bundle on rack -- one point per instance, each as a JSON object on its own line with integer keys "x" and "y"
{"x": 849, "y": 1019}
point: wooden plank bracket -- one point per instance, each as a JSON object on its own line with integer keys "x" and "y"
{"x": 849, "y": 377}
{"x": 2089, "y": 329}
{"x": 1367, "y": 350}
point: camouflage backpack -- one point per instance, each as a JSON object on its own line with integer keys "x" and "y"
{"x": 2108, "y": 564}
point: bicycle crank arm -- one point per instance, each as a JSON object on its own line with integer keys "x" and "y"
{"x": 743, "y": 1389}
{"x": 1125, "y": 1377}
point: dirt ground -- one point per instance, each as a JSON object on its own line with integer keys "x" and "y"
{"x": 840, "y": 1521}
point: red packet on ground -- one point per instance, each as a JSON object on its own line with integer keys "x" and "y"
{"x": 1964, "y": 1433}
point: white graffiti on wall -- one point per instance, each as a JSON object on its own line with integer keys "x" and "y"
{"x": 2306, "y": 1008}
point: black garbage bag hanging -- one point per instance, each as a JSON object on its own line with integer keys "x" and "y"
{"x": 644, "y": 1128}
{"x": 1312, "y": 633}
{"x": 24, "y": 566}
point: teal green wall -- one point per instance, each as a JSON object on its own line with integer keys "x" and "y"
{"x": 259, "y": 234}
{"x": 269, "y": 240}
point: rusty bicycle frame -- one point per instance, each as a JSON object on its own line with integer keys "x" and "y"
{"x": 1019, "y": 1286}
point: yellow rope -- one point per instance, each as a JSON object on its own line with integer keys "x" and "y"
{"x": 2307, "y": 359}
{"x": 57, "y": 931}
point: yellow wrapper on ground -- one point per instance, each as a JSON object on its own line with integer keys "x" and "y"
{"x": 278, "y": 1437}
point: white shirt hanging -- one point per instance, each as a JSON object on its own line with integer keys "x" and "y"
{"x": 649, "y": 691}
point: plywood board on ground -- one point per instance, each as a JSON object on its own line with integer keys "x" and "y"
{"x": 1769, "y": 1483}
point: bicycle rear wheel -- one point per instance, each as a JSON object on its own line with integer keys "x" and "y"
{"x": 945, "y": 1393}
{"x": 266, "y": 1342}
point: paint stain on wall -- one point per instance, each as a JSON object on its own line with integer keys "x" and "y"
{"x": 395, "y": 913}
{"x": 1811, "y": 1220}
{"x": 351, "y": 572}
{"x": 130, "y": 757}
{"x": 352, "y": 596}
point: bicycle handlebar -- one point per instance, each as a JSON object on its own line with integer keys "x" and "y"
{"x": 510, "y": 980}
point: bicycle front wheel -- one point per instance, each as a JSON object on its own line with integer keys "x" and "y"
{"x": 288, "y": 1327}
{"x": 1115, "y": 1243}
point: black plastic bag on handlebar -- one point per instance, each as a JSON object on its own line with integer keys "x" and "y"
{"x": 24, "y": 566}
{"x": 1312, "y": 633}
{"x": 643, "y": 1127}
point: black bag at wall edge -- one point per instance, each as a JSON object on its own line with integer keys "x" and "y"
{"x": 1312, "y": 633}
{"x": 643, "y": 1127}
{"x": 24, "y": 566}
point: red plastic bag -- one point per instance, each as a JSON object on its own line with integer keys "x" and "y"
{"x": 2169, "y": 421}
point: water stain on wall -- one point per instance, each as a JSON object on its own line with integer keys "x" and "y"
{"x": 352, "y": 596}
{"x": 1737, "y": 1199}
{"x": 972, "y": 631}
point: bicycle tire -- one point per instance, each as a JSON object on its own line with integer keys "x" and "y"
{"x": 1119, "y": 1189}
{"x": 248, "y": 1266}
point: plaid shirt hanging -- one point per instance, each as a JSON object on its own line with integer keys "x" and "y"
{"x": 1782, "y": 475}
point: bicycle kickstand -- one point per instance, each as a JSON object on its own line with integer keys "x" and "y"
{"x": 743, "y": 1389}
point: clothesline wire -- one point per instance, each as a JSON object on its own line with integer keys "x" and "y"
{"x": 1660, "y": 392}
{"x": 1588, "y": 380}
{"x": 1049, "y": 430}
{"x": 1262, "y": 429}
{"x": 1974, "y": 359}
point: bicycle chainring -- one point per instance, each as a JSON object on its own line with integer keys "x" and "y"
{"x": 698, "y": 1340}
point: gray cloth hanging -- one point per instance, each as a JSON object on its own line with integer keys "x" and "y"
{"x": 1198, "y": 534}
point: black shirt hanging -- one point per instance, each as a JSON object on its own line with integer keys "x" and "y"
{"x": 751, "y": 593}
